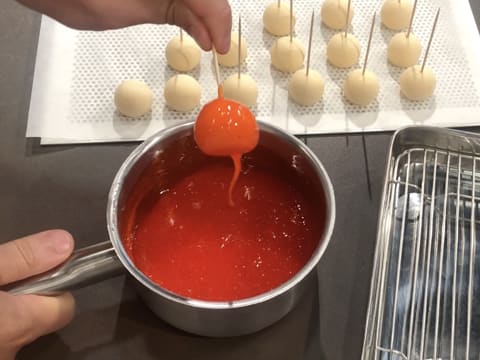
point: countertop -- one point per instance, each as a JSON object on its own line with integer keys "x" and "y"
{"x": 66, "y": 187}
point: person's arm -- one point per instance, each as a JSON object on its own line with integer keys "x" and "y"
{"x": 207, "y": 21}
{"x": 24, "y": 318}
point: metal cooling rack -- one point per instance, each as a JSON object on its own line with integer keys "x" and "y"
{"x": 425, "y": 290}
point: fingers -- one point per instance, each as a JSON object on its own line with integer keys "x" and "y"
{"x": 217, "y": 20}
{"x": 33, "y": 254}
{"x": 44, "y": 314}
{"x": 178, "y": 14}
{"x": 26, "y": 317}
{"x": 209, "y": 23}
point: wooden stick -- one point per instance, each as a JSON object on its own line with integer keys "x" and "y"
{"x": 369, "y": 44}
{"x": 217, "y": 69}
{"x": 430, "y": 40}
{"x": 291, "y": 20}
{"x": 310, "y": 42}
{"x": 278, "y": 3}
{"x": 181, "y": 35}
{"x": 348, "y": 14}
{"x": 239, "y": 43}
{"x": 411, "y": 18}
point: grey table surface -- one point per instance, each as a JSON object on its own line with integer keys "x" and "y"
{"x": 66, "y": 187}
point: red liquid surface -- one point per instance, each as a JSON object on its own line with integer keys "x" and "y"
{"x": 190, "y": 241}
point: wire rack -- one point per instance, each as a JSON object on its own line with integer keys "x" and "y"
{"x": 425, "y": 290}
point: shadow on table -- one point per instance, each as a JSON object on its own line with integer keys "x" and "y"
{"x": 284, "y": 340}
{"x": 139, "y": 334}
{"x": 34, "y": 147}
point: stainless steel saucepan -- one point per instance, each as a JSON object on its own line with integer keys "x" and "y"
{"x": 168, "y": 149}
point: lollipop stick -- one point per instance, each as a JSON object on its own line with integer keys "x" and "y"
{"x": 346, "y": 20}
{"x": 291, "y": 20}
{"x": 310, "y": 42}
{"x": 181, "y": 35}
{"x": 369, "y": 44}
{"x": 217, "y": 69}
{"x": 430, "y": 40}
{"x": 411, "y": 18}
{"x": 239, "y": 43}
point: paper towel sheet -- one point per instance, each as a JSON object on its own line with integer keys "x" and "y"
{"x": 76, "y": 74}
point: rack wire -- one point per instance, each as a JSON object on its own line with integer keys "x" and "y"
{"x": 425, "y": 291}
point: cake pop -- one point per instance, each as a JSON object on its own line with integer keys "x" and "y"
{"x": 238, "y": 46}
{"x": 404, "y": 48}
{"x": 396, "y": 14}
{"x": 361, "y": 85}
{"x": 334, "y": 14}
{"x": 183, "y": 53}
{"x": 133, "y": 98}
{"x": 226, "y": 128}
{"x": 418, "y": 82}
{"x": 306, "y": 86}
{"x": 182, "y": 93}
{"x": 276, "y": 19}
{"x": 240, "y": 87}
{"x": 287, "y": 53}
{"x": 343, "y": 49}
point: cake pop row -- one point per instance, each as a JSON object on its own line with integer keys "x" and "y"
{"x": 361, "y": 87}
{"x": 343, "y": 50}
{"x": 182, "y": 92}
{"x": 395, "y": 15}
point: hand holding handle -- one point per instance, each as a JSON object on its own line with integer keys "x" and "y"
{"x": 86, "y": 266}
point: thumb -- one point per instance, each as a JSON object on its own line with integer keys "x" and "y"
{"x": 209, "y": 23}
{"x": 33, "y": 254}
{"x": 216, "y": 17}
{"x": 24, "y": 318}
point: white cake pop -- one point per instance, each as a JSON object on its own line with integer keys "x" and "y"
{"x": 404, "y": 51}
{"x": 396, "y": 14}
{"x": 183, "y": 53}
{"x": 230, "y": 59}
{"x": 306, "y": 86}
{"x": 286, "y": 55}
{"x": 334, "y": 14}
{"x": 243, "y": 89}
{"x": 418, "y": 82}
{"x": 276, "y": 19}
{"x": 306, "y": 89}
{"x": 133, "y": 98}
{"x": 361, "y": 89}
{"x": 417, "y": 85}
{"x": 182, "y": 93}
{"x": 240, "y": 87}
{"x": 343, "y": 51}
{"x": 361, "y": 85}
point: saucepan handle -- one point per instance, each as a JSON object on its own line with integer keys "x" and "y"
{"x": 84, "y": 267}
